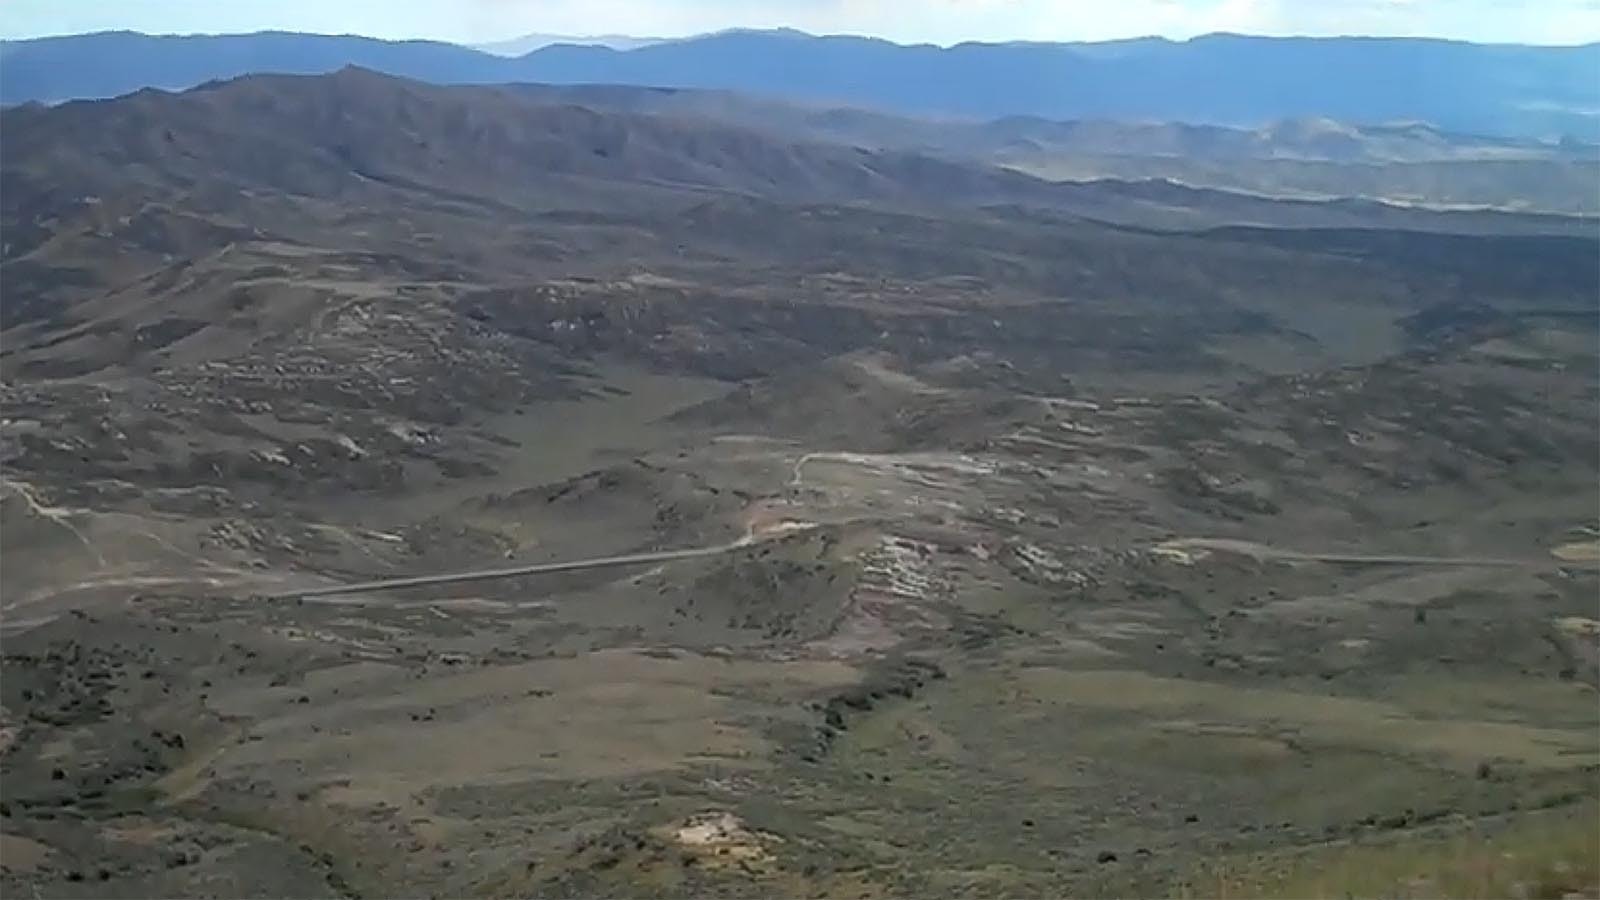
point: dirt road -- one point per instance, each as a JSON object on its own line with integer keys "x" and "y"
{"x": 599, "y": 562}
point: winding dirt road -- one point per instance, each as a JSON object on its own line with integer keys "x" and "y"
{"x": 574, "y": 565}
{"x": 1225, "y": 545}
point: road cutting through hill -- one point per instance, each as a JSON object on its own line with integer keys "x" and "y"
{"x": 749, "y": 539}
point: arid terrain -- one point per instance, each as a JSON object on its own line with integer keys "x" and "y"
{"x": 1039, "y": 539}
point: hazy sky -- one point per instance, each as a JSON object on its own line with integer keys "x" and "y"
{"x": 936, "y": 21}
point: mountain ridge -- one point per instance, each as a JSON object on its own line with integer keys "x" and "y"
{"x": 357, "y": 130}
{"x": 1215, "y": 79}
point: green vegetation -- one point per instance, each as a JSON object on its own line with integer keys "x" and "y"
{"x": 1054, "y": 558}
{"x": 1545, "y": 855}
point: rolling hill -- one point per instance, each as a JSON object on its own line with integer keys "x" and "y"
{"x": 360, "y": 134}
{"x": 835, "y": 519}
{"x": 1410, "y": 163}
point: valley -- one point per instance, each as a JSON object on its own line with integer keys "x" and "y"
{"x": 863, "y": 523}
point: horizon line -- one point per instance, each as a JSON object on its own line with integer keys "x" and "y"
{"x": 569, "y": 39}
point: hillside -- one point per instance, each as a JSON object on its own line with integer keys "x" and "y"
{"x": 1410, "y": 164}
{"x": 290, "y": 142}
{"x": 1291, "y": 139}
{"x": 480, "y": 491}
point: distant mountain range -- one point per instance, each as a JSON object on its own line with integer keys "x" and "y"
{"x": 528, "y": 43}
{"x": 1411, "y": 163}
{"x": 1287, "y": 139}
{"x": 247, "y": 150}
{"x": 1217, "y": 79}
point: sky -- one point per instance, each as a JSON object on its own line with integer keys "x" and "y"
{"x": 906, "y": 21}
